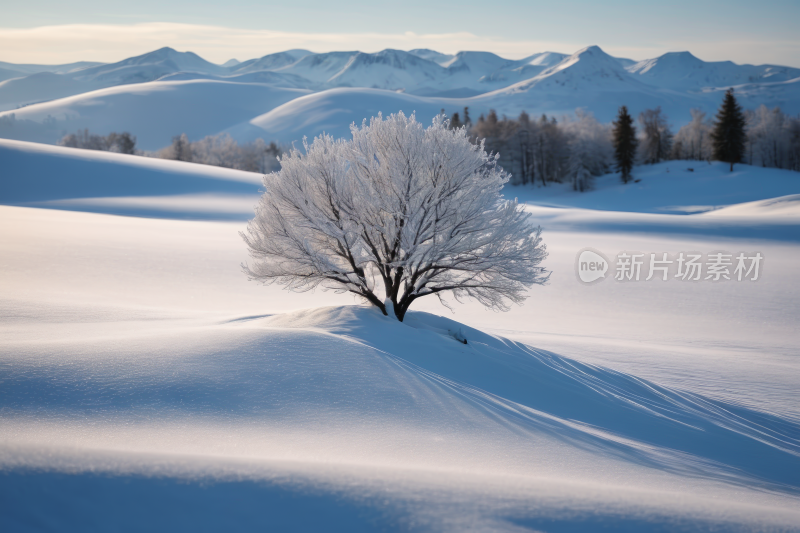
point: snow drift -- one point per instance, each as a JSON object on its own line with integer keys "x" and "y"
{"x": 335, "y": 391}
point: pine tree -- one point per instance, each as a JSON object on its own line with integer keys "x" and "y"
{"x": 467, "y": 120}
{"x": 729, "y": 135}
{"x": 455, "y": 121}
{"x": 624, "y": 143}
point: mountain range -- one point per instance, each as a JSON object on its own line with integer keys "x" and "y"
{"x": 288, "y": 95}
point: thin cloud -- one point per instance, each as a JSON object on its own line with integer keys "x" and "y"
{"x": 62, "y": 44}
{"x": 106, "y": 42}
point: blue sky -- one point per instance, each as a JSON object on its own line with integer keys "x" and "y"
{"x": 45, "y": 31}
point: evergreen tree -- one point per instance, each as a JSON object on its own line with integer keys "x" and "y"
{"x": 624, "y": 143}
{"x": 467, "y": 120}
{"x": 455, "y": 121}
{"x": 728, "y": 136}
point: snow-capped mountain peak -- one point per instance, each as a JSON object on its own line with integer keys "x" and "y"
{"x": 685, "y": 71}
{"x": 268, "y": 62}
{"x": 432, "y": 55}
{"x": 672, "y": 60}
{"x": 586, "y": 69}
{"x": 149, "y": 67}
{"x": 388, "y": 69}
{"x": 544, "y": 59}
{"x": 477, "y": 62}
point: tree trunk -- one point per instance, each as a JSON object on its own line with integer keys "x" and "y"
{"x": 371, "y": 298}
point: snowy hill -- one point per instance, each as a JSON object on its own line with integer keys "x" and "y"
{"x": 675, "y": 187}
{"x": 332, "y": 112}
{"x": 154, "y": 112}
{"x": 140, "y": 368}
{"x": 104, "y": 182}
{"x": 277, "y": 79}
{"x": 26, "y": 69}
{"x": 330, "y": 392}
{"x": 77, "y": 78}
{"x": 39, "y": 87}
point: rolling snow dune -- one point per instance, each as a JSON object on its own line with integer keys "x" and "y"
{"x": 103, "y": 182}
{"x": 153, "y": 112}
{"x": 40, "y": 87}
{"x": 675, "y": 187}
{"x": 674, "y": 198}
{"x": 143, "y": 364}
{"x": 785, "y": 207}
{"x": 58, "y": 69}
{"x": 332, "y": 112}
{"x": 270, "y": 78}
{"x": 70, "y": 178}
{"x": 140, "y": 369}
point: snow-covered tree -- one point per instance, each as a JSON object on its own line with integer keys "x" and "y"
{"x": 181, "y": 148}
{"x": 396, "y": 213}
{"x": 121, "y": 143}
{"x": 223, "y": 151}
{"x": 656, "y": 142}
{"x": 693, "y": 140}
{"x": 549, "y": 150}
{"x": 590, "y": 150}
{"x": 768, "y": 137}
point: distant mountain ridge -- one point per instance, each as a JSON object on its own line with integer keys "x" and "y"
{"x": 347, "y": 86}
{"x": 421, "y": 71}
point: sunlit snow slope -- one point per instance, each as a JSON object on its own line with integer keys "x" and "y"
{"x": 154, "y": 112}
{"x": 139, "y": 369}
{"x": 86, "y": 180}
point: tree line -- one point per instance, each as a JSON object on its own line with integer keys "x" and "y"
{"x": 544, "y": 150}
{"x": 575, "y": 149}
{"x": 223, "y": 151}
{"x": 216, "y": 150}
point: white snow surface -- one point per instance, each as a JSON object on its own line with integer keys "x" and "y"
{"x": 139, "y": 369}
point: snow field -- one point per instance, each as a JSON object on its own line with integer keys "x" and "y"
{"x": 139, "y": 365}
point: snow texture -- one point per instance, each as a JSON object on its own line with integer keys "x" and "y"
{"x": 140, "y": 370}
